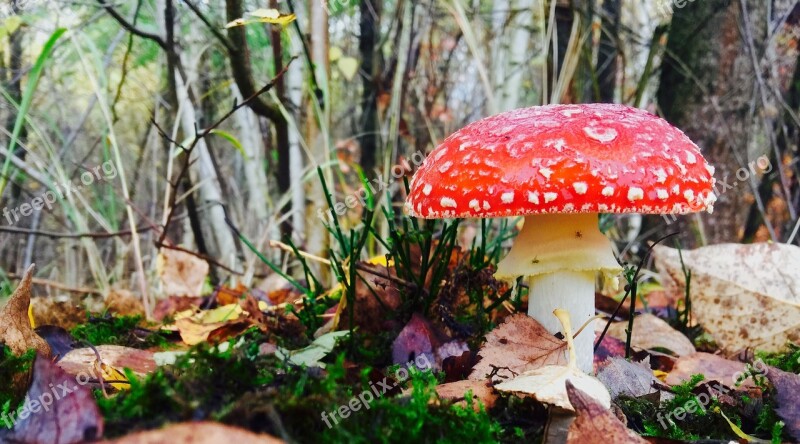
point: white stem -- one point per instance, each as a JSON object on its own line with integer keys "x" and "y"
{"x": 572, "y": 291}
{"x": 561, "y": 255}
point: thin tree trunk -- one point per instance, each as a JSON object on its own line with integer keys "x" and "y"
{"x": 707, "y": 84}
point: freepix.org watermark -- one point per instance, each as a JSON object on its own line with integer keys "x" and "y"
{"x": 700, "y": 402}
{"x": 375, "y": 391}
{"x": 760, "y": 166}
{"x": 106, "y": 171}
{"x": 47, "y": 399}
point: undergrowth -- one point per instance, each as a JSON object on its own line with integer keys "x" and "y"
{"x": 125, "y": 331}
{"x": 239, "y": 387}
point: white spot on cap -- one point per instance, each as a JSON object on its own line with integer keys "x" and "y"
{"x": 635, "y": 193}
{"x": 568, "y": 208}
{"x": 549, "y": 197}
{"x": 486, "y": 205}
{"x": 558, "y": 144}
{"x": 690, "y": 158}
{"x": 580, "y": 187}
{"x": 546, "y": 172}
{"x": 608, "y": 191}
{"x": 662, "y": 194}
{"x": 426, "y": 190}
{"x": 661, "y": 175}
{"x": 533, "y": 197}
{"x": 602, "y": 207}
{"x": 571, "y": 111}
{"x": 676, "y": 189}
{"x": 689, "y": 195}
{"x": 474, "y": 204}
{"x": 603, "y": 135}
{"x": 445, "y": 166}
{"x": 447, "y": 202}
{"x": 710, "y": 169}
{"x": 507, "y": 197}
{"x": 439, "y": 155}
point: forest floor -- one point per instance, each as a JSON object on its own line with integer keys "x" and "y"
{"x": 409, "y": 347}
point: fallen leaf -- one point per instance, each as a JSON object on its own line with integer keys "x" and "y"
{"x": 632, "y": 379}
{"x": 713, "y": 367}
{"x": 482, "y": 393}
{"x": 787, "y": 386}
{"x": 611, "y": 347}
{"x": 83, "y": 360}
{"x": 548, "y": 386}
{"x": 518, "y": 345}
{"x": 651, "y": 332}
{"x": 196, "y": 433}
{"x": 746, "y": 296}
{"x": 15, "y": 330}
{"x": 595, "y": 423}
{"x": 58, "y": 409}
{"x": 310, "y": 356}
{"x": 181, "y": 274}
{"x": 59, "y": 340}
{"x": 417, "y": 338}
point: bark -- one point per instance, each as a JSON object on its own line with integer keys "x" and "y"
{"x": 369, "y": 37}
{"x": 707, "y": 83}
{"x": 608, "y": 51}
{"x": 241, "y": 68}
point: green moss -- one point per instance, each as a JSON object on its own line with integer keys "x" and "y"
{"x": 126, "y": 331}
{"x": 788, "y": 361}
{"x": 12, "y": 367}
{"x": 263, "y": 394}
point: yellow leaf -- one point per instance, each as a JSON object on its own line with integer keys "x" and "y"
{"x": 114, "y": 377}
{"x": 229, "y": 312}
{"x": 348, "y": 66}
{"x": 282, "y": 20}
{"x": 237, "y": 22}
{"x": 265, "y": 13}
{"x": 335, "y": 53}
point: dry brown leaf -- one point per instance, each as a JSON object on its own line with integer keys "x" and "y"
{"x": 196, "y": 433}
{"x": 787, "y": 386}
{"x": 83, "y": 360}
{"x": 713, "y": 367}
{"x": 596, "y": 424}
{"x": 650, "y": 332}
{"x": 623, "y": 377}
{"x": 182, "y": 274}
{"x": 744, "y": 295}
{"x": 518, "y": 345}
{"x": 482, "y": 393}
{"x": 58, "y": 409}
{"x": 15, "y": 329}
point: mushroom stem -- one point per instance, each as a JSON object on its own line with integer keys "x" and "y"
{"x": 561, "y": 255}
{"x": 570, "y": 291}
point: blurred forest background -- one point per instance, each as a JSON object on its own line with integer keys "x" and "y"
{"x": 145, "y": 86}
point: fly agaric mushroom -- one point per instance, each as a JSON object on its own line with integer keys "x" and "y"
{"x": 561, "y": 165}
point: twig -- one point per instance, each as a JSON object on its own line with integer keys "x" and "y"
{"x": 202, "y": 134}
{"x": 57, "y": 235}
{"x": 130, "y": 27}
{"x": 58, "y": 285}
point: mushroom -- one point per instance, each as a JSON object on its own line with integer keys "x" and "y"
{"x": 560, "y": 166}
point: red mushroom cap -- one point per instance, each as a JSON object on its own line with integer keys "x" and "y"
{"x": 592, "y": 158}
